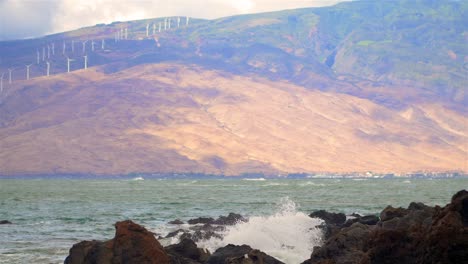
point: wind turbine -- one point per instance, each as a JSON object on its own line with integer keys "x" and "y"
{"x": 102, "y": 44}
{"x": 92, "y": 45}
{"x": 165, "y": 24}
{"x": 187, "y": 20}
{"x": 154, "y": 29}
{"x": 169, "y": 23}
{"x": 147, "y": 30}
{"x": 159, "y": 26}
{"x": 84, "y": 46}
{"x": 68, "y": 64}
{"x": 27, "y": 71}
{"x": 178, "y": 22}
{"x": 48, "y": 68}
{"x": 9, "y": 76}
{"x": 1, "y": 83}
{"x": 122, "y": 33}
{"x": 53, "y": 48}
{"x": 85, "y": 61}
{"x": 126, "y": 33}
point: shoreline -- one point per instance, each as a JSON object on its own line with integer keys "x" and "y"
{"x": 401, "y": 235}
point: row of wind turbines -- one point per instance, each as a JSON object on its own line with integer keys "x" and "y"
{"x": 48, "y": 51}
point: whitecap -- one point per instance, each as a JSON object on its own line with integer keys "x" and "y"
{"x": 255, "y": 179}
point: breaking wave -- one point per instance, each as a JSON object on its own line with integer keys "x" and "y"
{"x": 287, "y": 235}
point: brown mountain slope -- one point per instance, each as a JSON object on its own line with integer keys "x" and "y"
{"x": 178, "y": 118}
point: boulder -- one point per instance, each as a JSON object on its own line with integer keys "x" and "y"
{"x": 5, "y": 222}
{"x": 330, "y": 218}
{"x": 365, "y": 220}
{"x": 244, "y": 254}
{"x": 201, "y": 220}
{"x": 132, "y": 244}
{"x": 176, "y": 222}
{"x": 230, "y": 219}
{"x": 187, "y": 252}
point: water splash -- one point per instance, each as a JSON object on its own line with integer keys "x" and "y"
{"x": 287, "y": 235}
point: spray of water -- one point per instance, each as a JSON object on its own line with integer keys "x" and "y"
{"x": 287, "y": 235}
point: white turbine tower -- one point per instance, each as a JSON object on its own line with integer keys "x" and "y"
{"x": 159, "y": 26}
{"x": 126, "y": 33}
{"x": 53, "y": 48}
{"x": 178, "y": 22}
{"x": 122, "y": 33}
{"x": 169, "y": 23}
{"x": 1, "y": 83}
{"x": 27, "y": 71}
{"x": 68, "y": 64}
{"x": 48, "y": 51}
{"x": 187, "y": 21}
{"x": 9, "y": 76}
{"x": 92, "y": 45}
{"x": 165, "y": 24}
{"x": 85, "y": 61}
{"x": 48, "y": 68}
{"x": 147, "y": 30}
{"x": 84, "y": 46}
{"x": 38, "y": 56}
{"x": 154, "y": 29}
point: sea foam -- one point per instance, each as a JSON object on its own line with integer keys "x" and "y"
{"x": 287, "y": 235}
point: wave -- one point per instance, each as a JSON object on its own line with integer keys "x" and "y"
{"x": 138, "y": 179}
{"x": 255, "y": 179}
{"x": 287, "y": 235}
{"x": 310, "y": 183}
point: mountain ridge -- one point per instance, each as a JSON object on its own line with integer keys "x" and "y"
{"x": 235, "y": 95}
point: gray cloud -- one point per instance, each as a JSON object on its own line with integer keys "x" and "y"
{"x": 31, "y": 18}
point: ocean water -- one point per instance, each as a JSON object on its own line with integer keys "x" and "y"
{"x": 50, "y": 215}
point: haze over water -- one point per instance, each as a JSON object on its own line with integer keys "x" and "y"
{"x": 49, "y": 216}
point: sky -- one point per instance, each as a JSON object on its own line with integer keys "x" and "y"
{"x": 32, "y": 18}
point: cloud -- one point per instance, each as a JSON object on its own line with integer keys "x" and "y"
{"x": 30, "y": 18}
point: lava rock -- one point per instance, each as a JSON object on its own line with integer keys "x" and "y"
{"x": 230, "y": 219}
{"x": 176, "y": 222}
{"x": 240, "y": 255}
{"x": 365, "y": 220}
{"x": 5, "y": 222}
{"x": 201, "y": 220}
{"x": 187, "y": 252}
{"x": 132, "y": 244}
{"x": 330, "y": 218}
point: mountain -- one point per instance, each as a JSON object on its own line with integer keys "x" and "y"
{"x": 360, "y": 86}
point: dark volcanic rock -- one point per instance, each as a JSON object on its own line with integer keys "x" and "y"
{"x": 329, "y": 218}
{"x": 231, "y": 219}
{"x": 201, "y": 220}
{"x": 187, "y": 252}
{"x": 365, "y": 220}
{"x": 132, "y": 244}
{"x": 418, "y": 234}
{"x": 176, "y": 222}
{"x": 244, "y": 254}
{"x": 5, "y": 222}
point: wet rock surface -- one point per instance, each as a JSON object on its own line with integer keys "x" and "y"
{"x": 240, "y": 255}
{"x": 417, "y": 234}
{"x": 5, "y": 222}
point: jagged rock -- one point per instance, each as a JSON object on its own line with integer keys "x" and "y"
{"x": 230, "y": 219}
{"x": 132, "y": 244}
{"x": 329, "y": 218}
{"x": 365, "y": 220}
{"x": 187, "y": 252}
{"x": 5, "y": 222}
{"x": 419, "y": 234}
{"x": 201, "y": 220}
{"x": 244, "y": 254}
{"x": 176, "y": 222}
{"x": 176, "y": 233}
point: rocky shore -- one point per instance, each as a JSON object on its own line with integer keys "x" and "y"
{"x": 417, "y": 234}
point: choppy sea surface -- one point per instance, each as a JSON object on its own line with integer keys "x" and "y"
{"x": 50, "y": 215}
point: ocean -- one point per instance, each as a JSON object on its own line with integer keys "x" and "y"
{"x": 50, "y": 215}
